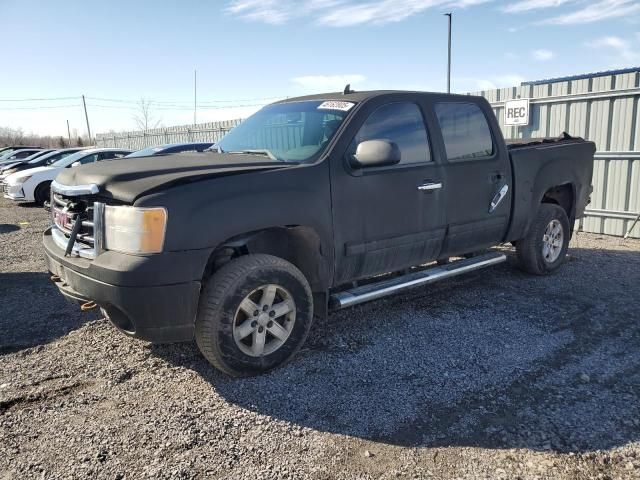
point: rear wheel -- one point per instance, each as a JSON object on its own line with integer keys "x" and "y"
{"x": 544, "y": 248}
{"x": 42, "y": 193}
{"x": 255, "y": 313}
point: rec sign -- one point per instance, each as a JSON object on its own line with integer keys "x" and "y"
{"x": 516, "y": 112}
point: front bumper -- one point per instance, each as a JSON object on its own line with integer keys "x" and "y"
{"x": 13, "y": 192}
{"x": 154, "y": 298}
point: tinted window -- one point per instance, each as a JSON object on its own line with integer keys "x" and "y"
{"x": 88, "y": 159}
{"x": 401, "y": 123}
{"x": 465, "y": 130}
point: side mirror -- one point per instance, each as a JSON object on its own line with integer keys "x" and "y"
{"x": 377, "y": 153}
{"x": 75, "y": 164}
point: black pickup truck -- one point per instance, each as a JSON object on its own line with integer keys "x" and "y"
{"x": 311, "y": 204}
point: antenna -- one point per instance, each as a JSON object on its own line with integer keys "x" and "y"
{"x": 347, "y": 90}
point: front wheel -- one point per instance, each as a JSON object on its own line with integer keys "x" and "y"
{"x": 255, "y": 313}
{"x": 545, "y": 247}
{"x": 42, "y": 193}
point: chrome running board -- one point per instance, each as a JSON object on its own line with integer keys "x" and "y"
{"x": 386, "y": 287}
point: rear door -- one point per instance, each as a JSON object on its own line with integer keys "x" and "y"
{"x": 477, "y": 171}
{"x": 383, "y": 220}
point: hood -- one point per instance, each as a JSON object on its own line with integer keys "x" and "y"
{"x": 129, "y": 178}
{"x": 8, "y": 166}
{"x": 31, "y": 171}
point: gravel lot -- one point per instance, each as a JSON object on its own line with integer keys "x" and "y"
{"x": 493, "y": 375}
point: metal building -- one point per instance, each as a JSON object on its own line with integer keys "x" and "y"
{"x": 603, "y": 107}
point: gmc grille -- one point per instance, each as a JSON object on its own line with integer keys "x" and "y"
{"x": 77, "y": 222}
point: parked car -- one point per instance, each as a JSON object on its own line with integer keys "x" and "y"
{"x": 34, "y": 156}
{"x": 9, "y": 149}
{"x": 20, "y": 154}
{"x": 32, "y": 185}
{"x": 171, "y": 148}
{"x": 36, "y": 160}
{"x": 311, "y": 204}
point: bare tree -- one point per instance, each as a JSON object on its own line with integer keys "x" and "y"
{"x": 144, "y": 117}
{"x": 12, "y": 136}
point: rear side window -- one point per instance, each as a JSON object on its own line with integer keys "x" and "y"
{"x": 401, "y": 123}
{"x": 465, "y": 131}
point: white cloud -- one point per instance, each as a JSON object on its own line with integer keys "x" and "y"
{"x": 542, "y": 55}
{"x": 277, "y": 12}
{"x": 472, "y": 84}
{"x": 611, "y": 42}
{"x": 338, "y": 13}
{"x": 328, "y": 83}
{"x": 621, "y": 52}
{"x": 596, "y": 11}
{"x": 527, "y": 5}
{"x": 581, "y": 11}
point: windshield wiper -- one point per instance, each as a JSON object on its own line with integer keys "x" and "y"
{"x": 257, "y": 151}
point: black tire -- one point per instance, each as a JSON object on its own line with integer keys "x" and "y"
{"x": 219, "y": 303}
{"x": 42, "y": 193}
{"x": 529, "y": 249}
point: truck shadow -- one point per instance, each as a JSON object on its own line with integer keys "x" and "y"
{"x": 497, "y": 359}
{"x": 32, "y": 311}
{"x": 8, "y": 228}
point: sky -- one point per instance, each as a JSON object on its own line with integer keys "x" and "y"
{"x": 248, "y": 53}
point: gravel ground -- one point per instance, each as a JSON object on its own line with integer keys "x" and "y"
{"x": 493, "y": 375}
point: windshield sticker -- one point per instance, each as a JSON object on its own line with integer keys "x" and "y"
{"x": 336, "y": 105}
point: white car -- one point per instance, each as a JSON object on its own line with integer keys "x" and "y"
{"x": 33, "y": 185}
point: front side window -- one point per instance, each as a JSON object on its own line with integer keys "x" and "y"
{"x": 401, "y": 123}
{"x": 465, "y": 131}
{"x": 287, "y": 132}
{"x": 89, "y": 159}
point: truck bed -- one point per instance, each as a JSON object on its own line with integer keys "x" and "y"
{"x": 541, "y": 164}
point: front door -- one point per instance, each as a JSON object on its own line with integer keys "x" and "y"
{"x": 477, "y": 173}
{"x": 387, "y": 218}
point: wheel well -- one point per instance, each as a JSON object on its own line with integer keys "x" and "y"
{"x": 45, "y": 184}
{"x": 562, "y": 196}
{"x": 299, "y": 245}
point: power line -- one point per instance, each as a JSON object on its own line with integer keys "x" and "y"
{"x": 180, "y": 103}
{"x": 40, "y": 107}
{"x": 49, "y": 99}
{"x": 176, "y": 108}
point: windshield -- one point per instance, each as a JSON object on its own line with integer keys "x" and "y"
{"x": 288, "y": 132}
{"x": 146, "y": 152}
{"x": 68, "y": 160}
{"x": 34, "y": 156}
{"x": 50, "y": 157}
{"x": 6, "y": 154}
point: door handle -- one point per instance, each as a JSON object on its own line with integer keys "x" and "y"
{"x": 427, "y": 186}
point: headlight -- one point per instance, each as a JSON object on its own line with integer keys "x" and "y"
{"x": 10, "y": 171}
{"x": 134, "y": 229}
{"x": 22, "y": 179}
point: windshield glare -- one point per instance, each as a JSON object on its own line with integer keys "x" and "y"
{"x": 145, "y": 152}
{"x": 290, "y": 132}
{"x": 50, "y": 157}
{"x": 6, "y": 154}
{"x": 74, "y": 157}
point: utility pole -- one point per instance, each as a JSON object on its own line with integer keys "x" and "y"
{"x": 69, "y": 132}
{"x": 84, "y": 104}
{"x": 449, "y": 55}
{"x": 195, "y": 94}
